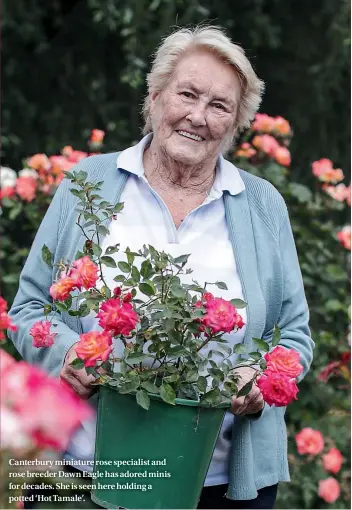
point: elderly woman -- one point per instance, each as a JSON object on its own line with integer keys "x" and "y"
{"x": 182, "y": 196}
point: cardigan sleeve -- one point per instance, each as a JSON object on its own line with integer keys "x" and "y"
{"x": 33, "y": 293}
{"x": 294, "y": 315}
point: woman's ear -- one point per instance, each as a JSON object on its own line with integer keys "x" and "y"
{"x": 153, "y": 98}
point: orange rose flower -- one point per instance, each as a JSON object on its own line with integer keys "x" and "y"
{"x": 39, "y": 162}
{"x": 282, "y": 156}
{"x": 97, "y": 136}
{"x": 62, "y": 289}
{"x": 94, "y": 346}
{"x": 84, "y": 272}
{"x": 344, "y": 236}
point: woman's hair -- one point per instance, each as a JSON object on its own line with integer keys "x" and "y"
{"x": 173, "y": 47}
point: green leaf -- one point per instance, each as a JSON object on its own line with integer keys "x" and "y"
{"x": 212, "y": 397}
{"x": 221, "y": 285}
{"x": 262, "y": 344}
{"x": 124, "y": 267}
{"x": 301, "y": 192}
{"x": 245, "y": 390}
{"x": 118, "y": 207}
{"x": 255, "y": 355}
{"x": 60, "y": 306}
{"x": 167, "y": 394}
{"x": 136, "y": 357}
{"x": 129, "y": 386}
{"x": 238, "y": 303}
{"x": 77, "y": 363}
{"x": 176, "y": 351}
{"x": 172, "y": 378}
{"x": 182, "y": 259}
{"x": 102, "y": 230}
{"x": 46, "y": 255}
{"x": 96, "y": 249}
{"x": 202, "y": 384}
{"x": 143, "y": 399}
{"x": 146, "y": 269}
{"x": 147, "y": 288}
{"x": 120, "y": 278}
{"x": 112, "y": 249}
{"x": 276, "y": 335}
{"x": 108, "y": 261}
{"x": 135, "y": 274}
{"x": 177, "y": 291}
{"x": 240, "y": 349}
{"x": 150, "y": 387}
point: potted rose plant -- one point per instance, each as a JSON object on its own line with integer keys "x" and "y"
{"x": 166, "y": 334}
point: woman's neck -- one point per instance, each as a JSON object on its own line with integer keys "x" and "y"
{"x": 164, "y": 172}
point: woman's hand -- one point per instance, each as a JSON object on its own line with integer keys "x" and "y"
{"x": 251, "y": 403}
{"x": 79, "y": 381}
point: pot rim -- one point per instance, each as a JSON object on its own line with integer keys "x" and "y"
{"x": 178, "y": 401}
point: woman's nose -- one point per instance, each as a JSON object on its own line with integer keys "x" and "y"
{"x": 197, "y": 114}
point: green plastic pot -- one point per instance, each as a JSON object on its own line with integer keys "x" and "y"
{"x": 166, "y": 451}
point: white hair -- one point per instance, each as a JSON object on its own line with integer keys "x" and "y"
{"x": 214, "y": 40}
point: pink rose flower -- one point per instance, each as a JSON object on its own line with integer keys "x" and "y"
{"x": 220, "y": 315}
{"x": 344, "y": 236}
{"x": 266, "y": 143}
{"x": 117, "y": 318}
{"x": 263, "y": 122}
{"x": 283, "y": 361}
{"x": 339, "y": 192}
{"x": 76, "y": 156}
{"x": 94, "y": 346}
{"x": 8, "y": 192}
{"x": 26, "y": 187}
{"x": 332, "y": 460}
{"x": 323, "y": 169}
{"x": 281, "y": 126}
{"x": 39, "y": 162}
{"x": 62, "y": 289}
{"x": 84, "y": 272}
{"x": 6, "y": 323}
{"x": 277, "y": 389}
{"x": 329, "y": 490}
{"x": 42, "y": 336}
{"x": 3, "y": 305}
{"x": 309, "y": 441}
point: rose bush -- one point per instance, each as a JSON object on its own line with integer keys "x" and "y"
{"x": 319, "y": 215}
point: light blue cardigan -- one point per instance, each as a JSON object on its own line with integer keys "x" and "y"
{"x": 260, "y": 232}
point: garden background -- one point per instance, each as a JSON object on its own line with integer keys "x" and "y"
{"x": 69, "y": 66}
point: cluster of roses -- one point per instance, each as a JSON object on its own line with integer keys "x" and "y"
{"x": 311, "y": 442}
{"x": 5, "y": 320}
{"x": 278, "y": 381}
{"x": 266, "y": 142}
{"x": 43, "y": 174}
{"x": 331, "y": 178}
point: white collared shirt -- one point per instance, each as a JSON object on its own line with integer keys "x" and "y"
{"x": 145, "y": 219}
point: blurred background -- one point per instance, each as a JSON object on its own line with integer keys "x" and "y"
{"x": 71, "y": 66}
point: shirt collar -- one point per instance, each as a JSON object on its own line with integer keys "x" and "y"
{"x": 227, "y": 175}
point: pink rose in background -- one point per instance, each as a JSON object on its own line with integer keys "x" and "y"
{"x": 323, "y": 169}
{"x": 266, "y": 143}
{"x": 339, "y": 192}
{"x": 282, "y": 156}
{"x": 329, "y": 490}
{"x": 76, "y": 156}
{"x": 84, "y": 273}
{"x": 94, "y": 346}
{"x": 117, "y": 318}
{"x": 332, "y": 460}
{"x": 39, "y": 162}
{"x": 5, "y": 323}
{"x": 62, "y": 289}
{"x": 281, "y": 126}
{"x": 26, "y": 188}
{"x": 277, "y": 389}
{"x": 284, "y": 361}
{"x": 8, "y": 192}
{"x": 97, "y": 136}
{"x": 42, "y": 336}
{"x": 309, "y": 441}
{"x": 344, "y": 236}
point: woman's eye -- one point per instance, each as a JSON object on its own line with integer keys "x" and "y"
{"x": 219, "y": 106}
{"x": 188, "y": 94}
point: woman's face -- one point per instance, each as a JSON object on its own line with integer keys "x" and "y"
{"x": 200, "y": 101}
